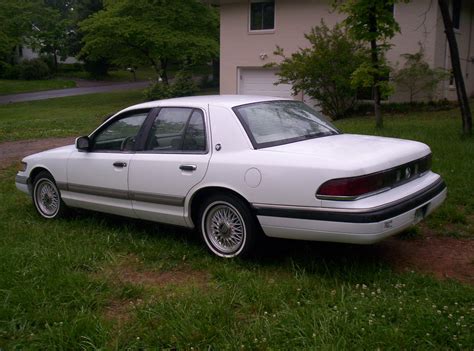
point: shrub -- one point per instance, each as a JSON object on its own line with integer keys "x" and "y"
{"x": 97, "y": 68}
{"x": 33, "y": 69}
{"x": 324, "y": 70}
{"x": 182, "y": 85}
{"x": 417, "y": 78}
{"x": 157, "y": 91}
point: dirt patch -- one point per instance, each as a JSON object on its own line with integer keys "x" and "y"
{"x": 14, "y": 151}
{"x": 445, "y": 258}
{"x": 131, "y": 271}
{"x": 120, "y": 311}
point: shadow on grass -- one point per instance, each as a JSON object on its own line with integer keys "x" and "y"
{"x": 308, "y": 256}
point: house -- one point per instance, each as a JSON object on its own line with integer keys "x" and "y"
{"x": 251, "y": 29}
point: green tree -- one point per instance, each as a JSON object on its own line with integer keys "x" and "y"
{"x": 50, "y": 34}
{"x": 372, "y": 21}
{"x": 152, "y": 32}
{"x": 417, "y": 76}
{"x": 15, "y": 24}
{"x": 323, "y": 71}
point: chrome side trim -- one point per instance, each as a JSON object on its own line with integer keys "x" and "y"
{"x": 123, "y": 194}
{"x": 98, "y": 191}
{"x": 157, "y": 199}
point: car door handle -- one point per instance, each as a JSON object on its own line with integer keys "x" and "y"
{"x": 120, "y": 164}
{"x": 188, "y": 167}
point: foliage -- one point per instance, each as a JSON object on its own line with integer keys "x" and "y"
{"x": 182, "y": 85}
{"x": 154, "y": 33}
{"x": 33, "y": 69}
{"x": 97, "y": 67}
{"x": 323, "y": 71}
{"x": 417, "y": 76}
{"x": 50, "y": 34}
{"x": 15, "y": 23}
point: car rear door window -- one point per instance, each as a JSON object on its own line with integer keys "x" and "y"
{"x": 177, "y": 129}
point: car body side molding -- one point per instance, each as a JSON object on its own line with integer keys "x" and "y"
{"x": 123, "y": 194}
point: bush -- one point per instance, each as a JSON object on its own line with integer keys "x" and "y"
{"x": 97, "y": 68}
{"x": 34, "y": 69}
{"x": 324, "y": 70}
{"x": 8, "y": 71}
{"x": 417, "y": 78}
{"x": 182, "y": 85}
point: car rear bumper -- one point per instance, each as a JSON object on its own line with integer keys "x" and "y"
{"x": 358, "y": 226}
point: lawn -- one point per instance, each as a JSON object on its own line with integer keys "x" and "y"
{"x": 70, "y": 116}
{"x": 25, "y": 86}
{"x": 97, "y": 281}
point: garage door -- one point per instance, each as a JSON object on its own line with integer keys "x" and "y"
{"x": 259, "y": 81}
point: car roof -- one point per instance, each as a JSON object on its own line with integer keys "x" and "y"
{"x": 203, "y": 101}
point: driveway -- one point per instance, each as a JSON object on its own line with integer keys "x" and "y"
{"x": 50, "y": 94}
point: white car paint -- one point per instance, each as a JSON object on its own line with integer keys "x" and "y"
{"x": 279, "y": 177}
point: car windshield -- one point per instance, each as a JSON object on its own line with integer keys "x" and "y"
{"x": 273, "y": 123}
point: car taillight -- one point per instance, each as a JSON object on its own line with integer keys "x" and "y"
{"x": 354, "y": 187}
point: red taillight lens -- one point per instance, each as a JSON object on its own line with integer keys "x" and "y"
{"x": 352, "y": 187}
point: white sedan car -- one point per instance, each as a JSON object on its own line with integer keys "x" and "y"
{"x": 236, "y": 167}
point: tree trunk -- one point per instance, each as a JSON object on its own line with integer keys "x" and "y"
{"x": 55, "y": 56}
{"x": 164, "y": 72}
{"x": 456, "y": 66}
{"x": 375, "y": 63}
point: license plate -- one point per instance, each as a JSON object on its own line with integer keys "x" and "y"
{"x": 420, "y": 214}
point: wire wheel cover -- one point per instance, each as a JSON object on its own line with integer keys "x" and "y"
{"x": 47, "y": 197}
{"x": 225, "y": 228}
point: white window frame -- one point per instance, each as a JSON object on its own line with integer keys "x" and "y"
{"x": 261, "y": 31}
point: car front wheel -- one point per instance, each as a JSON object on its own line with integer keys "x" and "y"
{"x": 227, "y": 226}
{"x": 46, "y": 196}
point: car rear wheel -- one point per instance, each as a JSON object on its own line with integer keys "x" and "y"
{"x": 46, "y": 196}
{"x": 227, "y": 226}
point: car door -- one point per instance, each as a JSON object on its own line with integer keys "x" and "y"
{"x": 174, "y": 158}
{"x": 98, "y": 178}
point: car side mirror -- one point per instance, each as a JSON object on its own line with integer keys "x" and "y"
{"x": 83, "y": 143}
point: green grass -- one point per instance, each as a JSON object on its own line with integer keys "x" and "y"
{"x": 70, "y": 116}
{"x": 55, "y": 291}
{"x": 26, "y": 86}
{"x": 452, "y": 158}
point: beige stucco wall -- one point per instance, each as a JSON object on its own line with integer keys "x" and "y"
{"x": 420, "y": 23}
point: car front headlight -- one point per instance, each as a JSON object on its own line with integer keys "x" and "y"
{"x": 23, "y": 166}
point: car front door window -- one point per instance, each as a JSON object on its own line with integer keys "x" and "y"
{"x": 120, "y": 135}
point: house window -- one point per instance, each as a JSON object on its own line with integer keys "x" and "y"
{"x": 456, "y": 13}
{"x": 262, "y": 15}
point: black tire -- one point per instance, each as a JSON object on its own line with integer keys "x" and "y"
{"x": 227, "y": 226}
{"x": 47, "y": 197}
